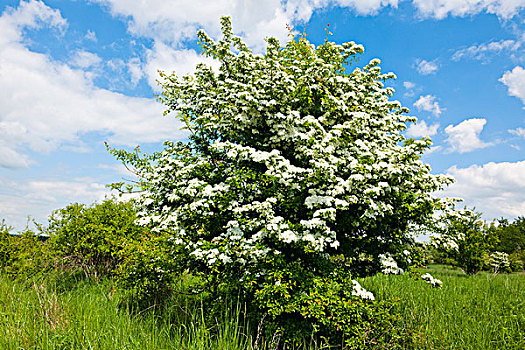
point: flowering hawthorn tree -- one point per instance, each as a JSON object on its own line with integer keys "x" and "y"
{"x": 295, "y": 170}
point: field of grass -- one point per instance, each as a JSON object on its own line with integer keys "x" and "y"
{"x": 484, "y": 311}
{"x": 91, "y": 316}
{"x": 470, "y": 312}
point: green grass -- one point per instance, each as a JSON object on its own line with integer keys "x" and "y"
{"x": 470, "y": 312}
{"x": 484, "y": 311}
{"x": 91, "y": 316}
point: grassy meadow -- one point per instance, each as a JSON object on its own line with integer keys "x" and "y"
{"x": 484, "y": 311}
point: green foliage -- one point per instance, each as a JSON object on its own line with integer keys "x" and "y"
{"x": 420, "y": 255}
{"x": 5, "y": 241}
{"x": 147, "y": 271}
{"x": 516, "y": 260}
{"x": 25, "y": 254}
{"x": 498, "y": 262}
{"x": 511, "y": 236}
{"x": 510, "y": 239}
{"x": 331, "y": 310}
{"x": 92, "y": 237}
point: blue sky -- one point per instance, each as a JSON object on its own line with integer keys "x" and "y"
{"x": 74, "y": 74}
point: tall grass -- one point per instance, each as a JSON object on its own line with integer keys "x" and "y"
{"x": 483, "y": 311}
{"x": 92, "y": 316}
{"x": 89, "y": 314}
{"x": 470, "y": 312}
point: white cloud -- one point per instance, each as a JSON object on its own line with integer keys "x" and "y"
{"x": 410, "y": 88}
{"x": 46, "y": 104}
{"x": 432, "y": 150}
{"x": 428, "y": 103}
{"x": 409, "y": 85}
{"x": 135, "y": 70}
{"x": 10, "y": 158}
{"x": 124, "y": 74}
{"x": 464, "y": 137}
{"x": 119, "y": 169}
{"x": 366, "y": 7}
{"x": 518, "y": 132}
{"x": 84, "y": 59}
{"x": 32, "y": 14}
{"x": 53, "y": 191}
{"x": 165, "y": 58}
{"x": 495, "y": 189}
{"x": 171, "y": 23}
{"x": 421, "y": 129}
{"x": 178, "y": 20}
{"x": 440, "y": 9}
{"x": 484, "y": 51}
{"x": 515, "y": 81}
{"x": 426, "y": 67}
{"x": 41, "y": 197}
{"x": 91, "y": 36}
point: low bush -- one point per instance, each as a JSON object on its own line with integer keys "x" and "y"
{"x": 24, "y": 255}
{"x": 516, "y": 261}
{"x": 91, "y": 238}
{"x": 5, "y": 231}
{"x": 498, "y": 262}
{"x": 146, "y": 272}
{"x": 335, "y": 312}
{"x": 464, "y": 239}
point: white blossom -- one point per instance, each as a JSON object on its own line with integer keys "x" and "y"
{"x": 359, "y": 291}
{"x": 431, "y": 280}
{"x": 498, "y": 261}
{"x": 389, "y": 265}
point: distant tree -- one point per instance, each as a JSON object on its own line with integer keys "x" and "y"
{"x": 463, "y": 236}
{"x": 511, "y": 240}
{"x": 23, "y": 255}
{"x": 511, "y": 236}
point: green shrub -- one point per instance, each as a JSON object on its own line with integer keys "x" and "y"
{"x": 25, "y": 255}
{"x": 498, "y": 262}
{"x": 5, "y": 241}
{"x": 516, "y": 260}
{"x": 91, "y": 237}
{"x": 510, "y": 236}
{"x": 335, "y": 310}
{"x": 146, "y": 270}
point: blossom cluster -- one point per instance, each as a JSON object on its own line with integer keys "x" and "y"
{"x": 498, "y": 261}
{"x": 359, "y": 291}
{"x": 389, "y": 265}
{"x": 431, "y": 280}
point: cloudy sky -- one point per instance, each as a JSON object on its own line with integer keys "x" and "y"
{"x": 76, "y": 73}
